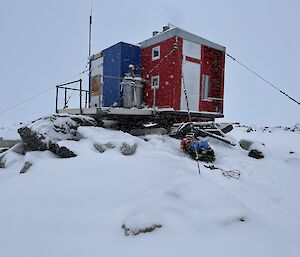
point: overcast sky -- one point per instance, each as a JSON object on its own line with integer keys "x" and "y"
{"x": 45, "y": 42}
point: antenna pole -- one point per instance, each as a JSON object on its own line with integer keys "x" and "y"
{"x": 90, "y": 47}
{"x": 90, "y": 32}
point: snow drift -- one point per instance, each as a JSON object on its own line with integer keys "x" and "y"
{"x": 83, "y": 205}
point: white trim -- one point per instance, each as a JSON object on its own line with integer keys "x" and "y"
{"x": 172, "y": 32}
{"x": 152, "y": 84}
{"x": 157, "y": 48}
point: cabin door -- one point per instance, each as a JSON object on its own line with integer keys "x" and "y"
{"x": 191, "y": 80}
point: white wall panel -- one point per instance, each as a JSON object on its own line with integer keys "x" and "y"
{"x": 191, "y": 77}
{"x": 191, "y": 49}
{"x": 97, "y": 66}
{"x": 95, "y": 100}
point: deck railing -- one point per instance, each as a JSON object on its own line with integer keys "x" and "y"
{"x": 66, "y": 100}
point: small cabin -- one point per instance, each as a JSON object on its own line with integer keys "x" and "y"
{"x": 196, "y": 65}
{"x": 157, "y": 78}
{"x": 168, "y": 62}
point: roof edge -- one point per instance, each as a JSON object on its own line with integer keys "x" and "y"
{"x": 172, "y": 32}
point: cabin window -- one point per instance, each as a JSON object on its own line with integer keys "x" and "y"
{"x": 155, "y": 82}
{"x": 205, "y": 87}
{"x": 155, "y": 53}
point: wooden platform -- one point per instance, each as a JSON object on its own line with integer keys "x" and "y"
{"x": 143, "y": 114}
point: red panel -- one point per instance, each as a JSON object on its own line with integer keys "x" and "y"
{"x": 213, "y": 62}
{"x": 169, "y": 71}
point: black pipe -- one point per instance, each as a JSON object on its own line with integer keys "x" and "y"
{"x": 80, "y": 89}
{"x": 68, "y": 83}
{"x": 56, "y": 101}
{"x": 65, "y": 106}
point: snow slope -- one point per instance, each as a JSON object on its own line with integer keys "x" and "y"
{"x": 76, "y": 207}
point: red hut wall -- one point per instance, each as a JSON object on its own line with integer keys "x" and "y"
{"x": 213, "y": 64}
{"x": 169, "y": 72}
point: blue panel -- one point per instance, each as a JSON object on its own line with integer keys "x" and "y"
{"x": 111, "y": 67}
{"x": 116, "y": 60}
{"x": 131, "y": 55}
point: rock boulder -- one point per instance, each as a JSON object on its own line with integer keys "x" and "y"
{"x": 44, "y": 133}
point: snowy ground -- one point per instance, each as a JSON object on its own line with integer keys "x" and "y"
{"x": 76, "y": 207}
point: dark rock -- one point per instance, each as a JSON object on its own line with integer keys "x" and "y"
{"x": 245, "y": 144}
{"x": 26, "y": 167}
{"x": 255, "y": 154}
{"x": 126, "y": 149}
{"x": 135, "y": 232}
{"x": 64, "y": 152}
{"x": 291, "y": 152}
{"x": 33, "y": 141}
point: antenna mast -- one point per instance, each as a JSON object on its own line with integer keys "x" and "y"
{"x": 90, "y": 47}
{"x": 90, "y": 29}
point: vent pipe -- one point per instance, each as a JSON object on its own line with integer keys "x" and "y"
{"x": 165, "y": 28}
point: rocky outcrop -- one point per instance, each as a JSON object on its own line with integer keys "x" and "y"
{"x": 44, "y": 133}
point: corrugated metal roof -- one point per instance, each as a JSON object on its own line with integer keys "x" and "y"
{"x": 172, "y": 32}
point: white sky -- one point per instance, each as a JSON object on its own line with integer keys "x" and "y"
{"x": 43, "y": 43}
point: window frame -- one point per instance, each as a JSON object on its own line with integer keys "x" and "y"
{"x": 206, "y": 87}
{"x": 156, "y": 48}
{"x": 152, "y": 84}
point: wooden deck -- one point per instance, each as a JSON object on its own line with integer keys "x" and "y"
{"x": 144, "y": 114}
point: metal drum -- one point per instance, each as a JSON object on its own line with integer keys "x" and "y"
{"x": 138, "y": 94}
{"x": 128, "y": 94}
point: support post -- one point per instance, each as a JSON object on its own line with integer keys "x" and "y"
{"x": 154, "y": 99}
{"x": 65, "y": 105}
{"x": 86, "y": 99}
{"x": 80, "y": 100}
{"x": 56, "y": 100}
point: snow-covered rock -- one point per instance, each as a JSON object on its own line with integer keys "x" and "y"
{"x": 26, "y": 167}
{"x": 45, "y": 133}
{"x": 127, "y": 149}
